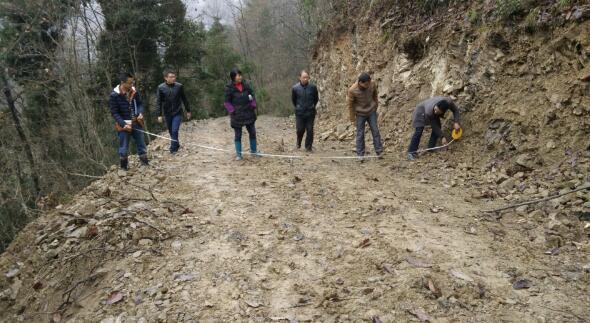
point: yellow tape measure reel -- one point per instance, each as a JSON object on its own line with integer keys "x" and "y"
{"x": 457, "y": 134}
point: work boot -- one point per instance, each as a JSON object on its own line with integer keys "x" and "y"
{"x": 124, "y": 163}
{"x": 143, "y": 159}
{"x": 238, "y": 145}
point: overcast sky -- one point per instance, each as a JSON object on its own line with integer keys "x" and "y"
{"x": 207, "y": 9}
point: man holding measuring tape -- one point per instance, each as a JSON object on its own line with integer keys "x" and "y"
{"x": 127, "y": 110}
{"x": 430, "y": 112}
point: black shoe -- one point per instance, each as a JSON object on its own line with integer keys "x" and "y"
{"x": 124, "y": 163}
{"x": 308, "y": 150}
{"x": 144, "y": 160}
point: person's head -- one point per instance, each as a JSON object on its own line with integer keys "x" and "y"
{"x": 126, "y": 81}
{"x": 364, "y": 80}
{"x": 304, "y": 77}
{"x": 236, "y": 75}
{"x": 169, "y": 76}
{"x": 441, "y": 107}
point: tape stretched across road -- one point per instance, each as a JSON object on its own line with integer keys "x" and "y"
{"x": 291, "y": 156}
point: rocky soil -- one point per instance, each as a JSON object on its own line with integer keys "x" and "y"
{"x": 200, "y": 237}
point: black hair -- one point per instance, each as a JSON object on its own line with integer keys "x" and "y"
{"x": 364, "y": 77}
{"x": 234, "y": 72}
{"x": 168, "y": 71}
{"x": 124, "y": 76}
{"x": 443, "y": 105}
{"x": 303, "y": 71}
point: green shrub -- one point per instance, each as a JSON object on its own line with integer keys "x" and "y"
{"x": 531, "y": 22}
{"x": 473, "y": 16}
{"x": 506, "y": 9}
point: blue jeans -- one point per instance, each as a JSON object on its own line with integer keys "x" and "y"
{"x": 124, "y": 139}
{"x": 173, "y": 124}
{"x": 360, "y": 134}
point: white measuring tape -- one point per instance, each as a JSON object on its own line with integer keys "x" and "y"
{"x": 291, "y": 156}
{"x": 433, "y": 148}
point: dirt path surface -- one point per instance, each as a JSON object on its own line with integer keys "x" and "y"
{"x": 201, "y": 237}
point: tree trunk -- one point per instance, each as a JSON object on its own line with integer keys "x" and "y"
{"x": 21, "y": 133}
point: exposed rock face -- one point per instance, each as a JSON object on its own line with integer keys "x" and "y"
{"x": 518, "y": 92}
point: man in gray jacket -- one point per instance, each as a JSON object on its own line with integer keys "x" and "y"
{"x": 169, "y": 100}
{"x": 430, "y": 112}
{"x": 304, "y": 96}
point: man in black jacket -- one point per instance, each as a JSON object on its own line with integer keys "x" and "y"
{"x": 304, "y": 96}
{"x": 127, "y": 110}
{"x": 170, "y": 96}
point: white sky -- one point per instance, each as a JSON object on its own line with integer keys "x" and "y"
{"x": 206, "y": 9}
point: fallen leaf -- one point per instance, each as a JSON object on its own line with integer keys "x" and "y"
{"x": 522, "y": 284}
{"x": 187, "y": 211}
{"x": 92, "y": 231}
{"x": 365, "y": 243}
{"x": 460, "y": 275}
{"x": 418, "y": 263}
{"x": 37, "y": 285}
{"x": 421, "y": 315}
{"x": 367, "y": 291}
{"x": 115, "y": 297}
{"x": 432, "y": 287}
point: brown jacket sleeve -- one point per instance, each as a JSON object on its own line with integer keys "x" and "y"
{"x": 350, "y": 101}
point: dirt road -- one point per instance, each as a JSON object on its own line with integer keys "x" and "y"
{"x": 301, "y": 240}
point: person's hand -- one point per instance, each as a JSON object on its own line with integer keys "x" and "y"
{"x": 444, "y": 141}
{"x": 160, "y": 119}
{"x": 189, "y": 115}
{"x": 140, "y": 116}
{"x": 128, "y": 128}
{"x": 457, "y": 126}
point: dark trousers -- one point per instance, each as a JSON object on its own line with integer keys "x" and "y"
{"x": 415, "y": 142}
{"x": 251, "y": 132}
{"x": 125, "y": 139}
{"x": 173, "y": 124}
{"x": 360, "y": 133}
{"x": 305, "y": 124}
